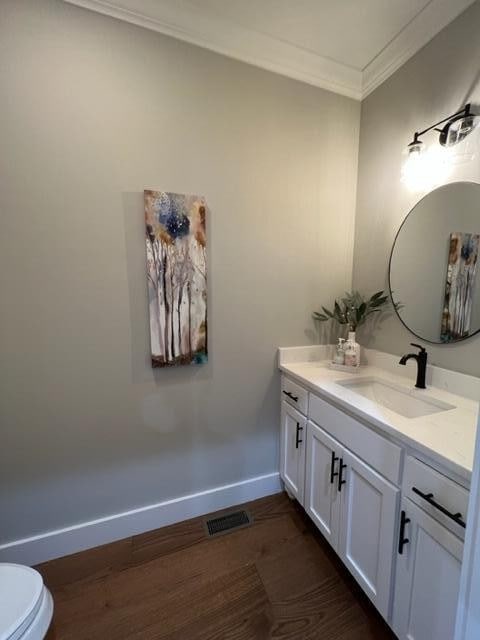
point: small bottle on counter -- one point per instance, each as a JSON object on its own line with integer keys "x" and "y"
{"x": 352, "y": 351}
{"x": 339, "y": 355}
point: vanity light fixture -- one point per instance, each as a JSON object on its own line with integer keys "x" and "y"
{"x": 428, "y": 165}
{"x": 456, "y": 128}
{"x": 415, "y": 147}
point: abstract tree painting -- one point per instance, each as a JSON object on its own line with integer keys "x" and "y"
{"x": 177, "y": 277}
{"x": 459, "y": 286}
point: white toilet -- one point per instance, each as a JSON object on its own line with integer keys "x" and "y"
{"x": 26, "y": 606}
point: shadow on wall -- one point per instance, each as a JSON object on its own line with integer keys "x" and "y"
{"x": 326, "y": 332}
{"x": 366, "y": 333}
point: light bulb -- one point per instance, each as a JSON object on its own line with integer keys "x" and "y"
{"x": 427, "y": 170}
{"x": 415, "y": 148}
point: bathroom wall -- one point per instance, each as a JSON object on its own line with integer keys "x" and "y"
{"x": 437, "y": 81}
{"x": 92, "y": 111}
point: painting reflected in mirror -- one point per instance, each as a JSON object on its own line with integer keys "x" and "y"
{"x": 459, "y": 286}
{"x": 433, "y": 265}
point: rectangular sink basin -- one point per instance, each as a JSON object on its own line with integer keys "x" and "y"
{"x": 402, "y": 400}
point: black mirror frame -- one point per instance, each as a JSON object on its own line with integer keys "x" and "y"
{"x": 443, "y": 344}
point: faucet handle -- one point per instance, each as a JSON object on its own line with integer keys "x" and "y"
{"x": 419, "y": 346}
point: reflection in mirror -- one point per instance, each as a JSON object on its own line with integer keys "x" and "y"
{"x": 433, "y": 265}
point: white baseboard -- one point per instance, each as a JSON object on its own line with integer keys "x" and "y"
{"x": 62, "y": 542}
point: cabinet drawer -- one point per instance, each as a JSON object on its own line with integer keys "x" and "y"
{"x": 295, "y": 395}
{"x": 442, "y": 494}
{"x": 380, "y": 453}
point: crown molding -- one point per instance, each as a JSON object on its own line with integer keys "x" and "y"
{"x": 212, "y": 32}
{"x": 208, "y": 30}
{"x": 425, "y": 26}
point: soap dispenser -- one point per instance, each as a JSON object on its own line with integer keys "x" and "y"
{"x": 339, "y": 355}
{"x": 352, "y": 351}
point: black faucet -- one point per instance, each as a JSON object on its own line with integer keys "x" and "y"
{"x": 421, "y": 359}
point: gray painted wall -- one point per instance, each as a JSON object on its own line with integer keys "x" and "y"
{"x": 92, "y": 111}
{"x": 441, "y": 78}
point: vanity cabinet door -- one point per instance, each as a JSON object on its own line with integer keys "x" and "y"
{"x": 428, "y": 578}
{"x": 367, "y": 528}
{"x": 292, "y": 450}
{"x": 322, "y": 499}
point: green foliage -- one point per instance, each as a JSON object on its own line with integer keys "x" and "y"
{"x": 353, "y": 309}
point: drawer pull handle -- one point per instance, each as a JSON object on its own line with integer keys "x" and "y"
{"x": 402, "y": 540}
{"x": 291, "y": 396}
{"x": 340, "y": 474}
{"x": 429, "y": 497}
{"x": 297, "y": 435}
{"x": 333, "y": 473}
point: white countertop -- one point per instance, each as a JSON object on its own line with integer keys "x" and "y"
{"x": 447, "y": 437}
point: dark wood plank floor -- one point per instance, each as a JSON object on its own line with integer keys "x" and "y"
{"x": 277, "y": 579}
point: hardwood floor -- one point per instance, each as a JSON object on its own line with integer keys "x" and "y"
{"x": 277, "y": 579}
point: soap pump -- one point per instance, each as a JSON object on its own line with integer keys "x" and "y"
{"x": 352, "y": 351}
{"x": 339, "y": 356}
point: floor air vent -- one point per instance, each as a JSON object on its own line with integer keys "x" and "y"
{"x": 227, "y": 522}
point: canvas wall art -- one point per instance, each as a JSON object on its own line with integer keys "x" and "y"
{"x": 459, "y": 286}
{"x": 177, "y": 277}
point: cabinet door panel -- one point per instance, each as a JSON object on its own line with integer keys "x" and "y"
{"x": 367, "y": 530}
{"x": 322, "y": 500}
{"x": 428, "y": 578}
{"x": 292, "y": 450}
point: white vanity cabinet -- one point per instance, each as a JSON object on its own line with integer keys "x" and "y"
{"x": 293, "y": 437}
{"x": 367, "y": 529}
{"x": 365, "y": 494}
{"x": 292, "y": 451}
{"x": 430, "y": 553}
{"x": 355, "y": 509}
{"x": 322, "y": 499}
{"x": 428, "y": 578}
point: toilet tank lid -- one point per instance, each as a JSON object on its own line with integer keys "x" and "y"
{"x": 21, "y": 589}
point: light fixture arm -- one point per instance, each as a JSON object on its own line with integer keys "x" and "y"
{"x": 463, "y": 113}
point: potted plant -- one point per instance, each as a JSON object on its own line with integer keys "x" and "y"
{"x": 353, "y": 309}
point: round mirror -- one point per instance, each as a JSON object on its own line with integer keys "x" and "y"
{"x": 433, "y": 265}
